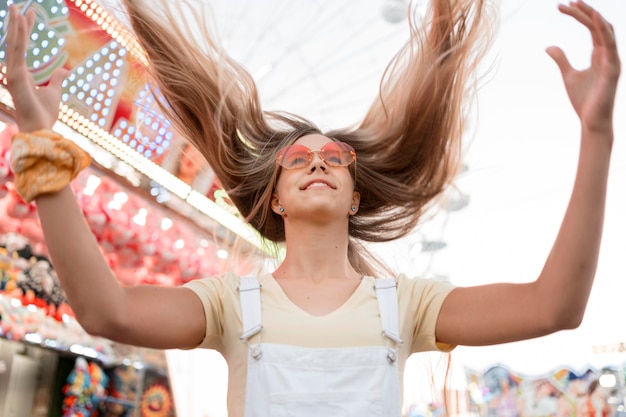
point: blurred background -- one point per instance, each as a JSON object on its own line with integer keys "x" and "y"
{"x": 161, "y": 217}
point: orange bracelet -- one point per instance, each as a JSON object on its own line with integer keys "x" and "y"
{"x": 44, "y": 162}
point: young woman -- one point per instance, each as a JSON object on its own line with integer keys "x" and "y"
{"x": 321, "y": 335}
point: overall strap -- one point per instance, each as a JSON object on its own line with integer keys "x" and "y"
{"x": 250, "y": 297}
{"x": 387, "y": 296}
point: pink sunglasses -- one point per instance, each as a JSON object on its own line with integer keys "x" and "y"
{"x": 334, "y": 154}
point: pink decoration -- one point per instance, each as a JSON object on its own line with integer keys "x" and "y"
{"x": 17, "y": 207}
{"x": 6, "y": 175}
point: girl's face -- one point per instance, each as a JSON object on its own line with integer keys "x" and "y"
{"x": 317, "y": 190}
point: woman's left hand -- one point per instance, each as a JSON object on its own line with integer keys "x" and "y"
{"x": 592, "y": 90}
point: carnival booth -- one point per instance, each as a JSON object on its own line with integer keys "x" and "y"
{"x": 152, "y": 204}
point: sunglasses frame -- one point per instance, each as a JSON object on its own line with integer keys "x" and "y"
{"x": 342, "y": 146}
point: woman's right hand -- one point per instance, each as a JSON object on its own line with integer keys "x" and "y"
{"x": 36, "y": 107}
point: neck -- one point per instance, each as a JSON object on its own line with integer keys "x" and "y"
{"x": 316, "y": 253}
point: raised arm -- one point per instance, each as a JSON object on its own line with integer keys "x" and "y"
{"x": 145, "y": 315}
{"x": 499, "y": 313}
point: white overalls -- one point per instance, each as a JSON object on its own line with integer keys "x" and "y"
{"x": 290, "y": 381}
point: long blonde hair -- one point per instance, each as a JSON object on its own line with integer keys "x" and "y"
{"x": 408, "y": 145}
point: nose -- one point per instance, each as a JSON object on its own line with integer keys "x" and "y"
{"x": 317, "y": 162}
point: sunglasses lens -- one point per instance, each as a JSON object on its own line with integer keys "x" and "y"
{"x": 294, "y": 156}
{"x": 337, "y": 154}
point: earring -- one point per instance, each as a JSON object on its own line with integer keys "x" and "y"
{"x": 280, "y": 209}
{"x": 353, "y": 208}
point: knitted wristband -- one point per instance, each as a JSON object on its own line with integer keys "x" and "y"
{"x": 44, "y": 162}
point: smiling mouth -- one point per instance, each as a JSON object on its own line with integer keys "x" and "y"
{"x": 317, "y": 185}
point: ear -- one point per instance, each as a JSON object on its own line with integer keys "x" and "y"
{"x": 356, "y": 199}
{"x": 276, "y": 205}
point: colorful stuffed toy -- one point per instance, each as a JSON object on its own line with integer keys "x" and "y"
{"x": 85, "y": 385}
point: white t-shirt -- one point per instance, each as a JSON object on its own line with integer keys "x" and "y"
{"x": 355, "y": 323}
